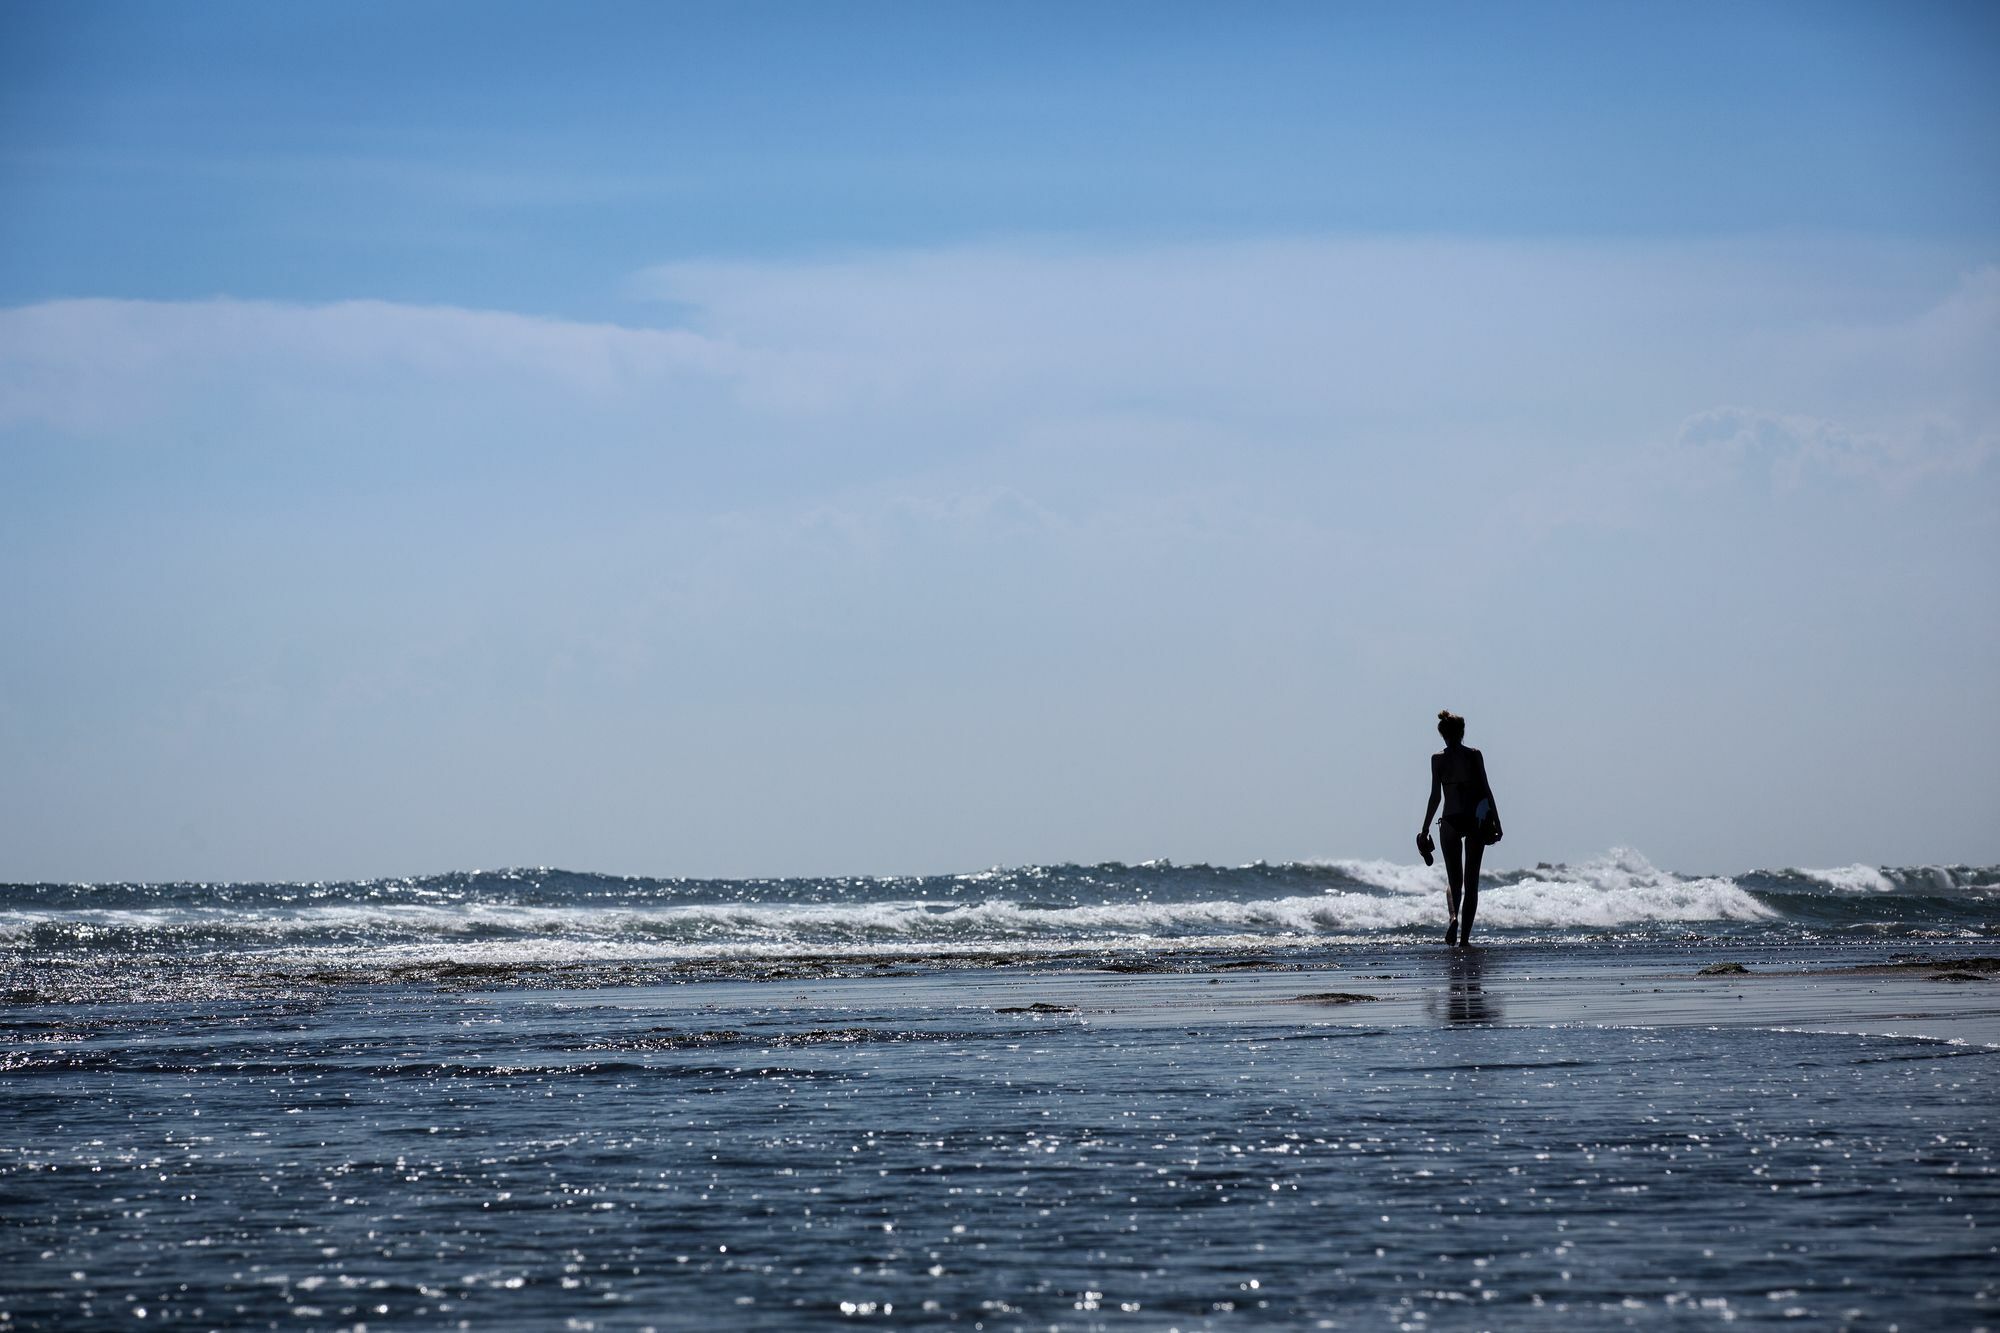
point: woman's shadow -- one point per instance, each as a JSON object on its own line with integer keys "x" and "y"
{"x": 1465, "y": 998}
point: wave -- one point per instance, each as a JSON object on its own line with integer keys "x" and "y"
{"x": 561, "y": 913}
{"x": 1066, "y": 883}
{"x": 1949, "y": 880}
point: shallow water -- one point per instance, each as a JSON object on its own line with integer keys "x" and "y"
{"x": 715, "y": 1155}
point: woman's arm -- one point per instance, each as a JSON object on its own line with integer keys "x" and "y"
{"x": 1487, "y": 786}
{"x": 1436, "y": 792}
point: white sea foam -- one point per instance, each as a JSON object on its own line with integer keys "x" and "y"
{"x": 1620, "y": 888}
{"x": 1938, "y": 879}
{"x": 1027, "y": 910}
{"x": 1534, "y": 902}
{"x": 1393, "y": 876}
{"x": 1854, "y": 879}
{"x": 1545, "y": 904}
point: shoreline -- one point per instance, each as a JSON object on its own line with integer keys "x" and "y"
{"x": 1969, "y": 964}
{"x": 1481, "y": 987}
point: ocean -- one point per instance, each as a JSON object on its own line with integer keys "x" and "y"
{"x": 1074, "y": 1097}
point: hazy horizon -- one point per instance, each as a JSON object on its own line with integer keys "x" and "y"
{"x": 776, "y": 440}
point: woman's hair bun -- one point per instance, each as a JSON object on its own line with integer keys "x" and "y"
{"x": 1444, "y": 713}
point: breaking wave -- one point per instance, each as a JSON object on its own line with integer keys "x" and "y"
{"x": 557, "y": 914}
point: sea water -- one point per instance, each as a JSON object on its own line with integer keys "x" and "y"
{"x": 69, "y": 940}
{"x": 1072, "y": 1097}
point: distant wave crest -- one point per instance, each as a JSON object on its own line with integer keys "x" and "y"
{"x": 1034, "y": 907}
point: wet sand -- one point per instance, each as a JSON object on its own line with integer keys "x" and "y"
{"x": 1946, "y": 999}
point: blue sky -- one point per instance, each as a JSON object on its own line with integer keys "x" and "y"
{"x": 506, "y": 155}
{"x": 800, "y": 438}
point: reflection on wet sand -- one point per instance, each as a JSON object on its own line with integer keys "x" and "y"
{"x": 1465, "y": 998}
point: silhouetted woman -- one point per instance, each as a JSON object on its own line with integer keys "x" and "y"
{"x": 1471, "y": 820}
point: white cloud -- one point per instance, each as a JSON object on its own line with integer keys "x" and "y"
{"x": 1407, "y": 329}
{"x": 1350, "y": 345}
{"x": 1160, "y": 522}
{"x": 1319, "y": 381}
{"x": 1793, "y": 447}
{"x": 97, "y": 366}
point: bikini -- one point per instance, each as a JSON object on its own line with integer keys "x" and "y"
{"x": 1463, "y": 790}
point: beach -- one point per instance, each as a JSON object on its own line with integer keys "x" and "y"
{"x": 1626, "y": 1126}
{"x": 999, "y": 667}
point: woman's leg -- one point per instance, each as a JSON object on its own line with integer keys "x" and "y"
{"x": 1454, "y": 877}
{"x": 1469, "y": 898}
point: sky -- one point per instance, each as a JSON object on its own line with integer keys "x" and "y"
{"x": 762, "y": 439}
